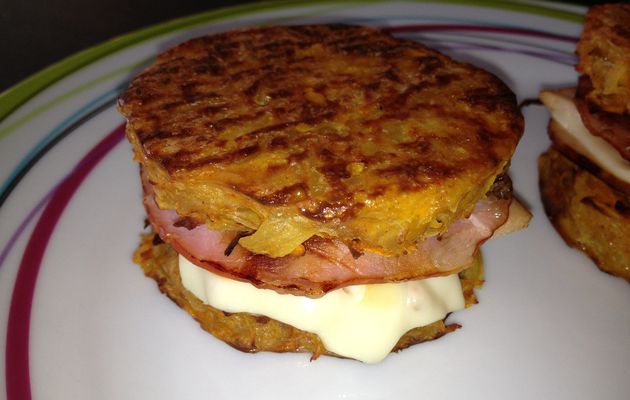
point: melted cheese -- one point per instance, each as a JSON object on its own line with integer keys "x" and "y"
{"x": 576, "y": 135}
{"x": 363, "y": 322}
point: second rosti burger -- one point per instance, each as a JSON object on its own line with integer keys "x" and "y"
{"x": 585, "y": 175}
{"x": 321, "y": 188}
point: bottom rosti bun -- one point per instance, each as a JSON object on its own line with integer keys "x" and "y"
{"x": 254, "y": 333}
{"x": 588, "y": 213}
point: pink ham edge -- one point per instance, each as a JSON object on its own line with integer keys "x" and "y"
{"x": 327, "y": 263}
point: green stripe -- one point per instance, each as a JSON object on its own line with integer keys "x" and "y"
{"x": 23, "y": 91}
{"x": 68, "y": 95}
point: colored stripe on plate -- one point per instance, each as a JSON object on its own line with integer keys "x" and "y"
{"x": 17, "y": 349}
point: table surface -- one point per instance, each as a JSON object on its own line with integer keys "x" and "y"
{"x": 37, "y": 33}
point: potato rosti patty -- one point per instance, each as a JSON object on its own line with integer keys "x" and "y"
{"x": 252, "y": 333}
{"x": 604, "y": 52}
{"x": 338, "y": 131}
{"x": 588, "y": 213}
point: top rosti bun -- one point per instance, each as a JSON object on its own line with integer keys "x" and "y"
{"x": 604, "y": 56}
{"x": 332, "y": 130}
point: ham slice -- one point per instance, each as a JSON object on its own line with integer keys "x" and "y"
{"x": 326, "y": 264}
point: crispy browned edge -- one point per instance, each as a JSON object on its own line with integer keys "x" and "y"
{"x": 588, "y": 214}
{"x": 252, "y": 333}
{"x": 603, "y": 47}
{"x": 613, "y": 128}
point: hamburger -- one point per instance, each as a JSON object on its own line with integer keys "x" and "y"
{"x": 585, "y": 175}
{"x": 320, "y": 188}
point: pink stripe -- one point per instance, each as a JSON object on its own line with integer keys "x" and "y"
{"x": 479, "y": 28}
{"x": 17, "y": 350}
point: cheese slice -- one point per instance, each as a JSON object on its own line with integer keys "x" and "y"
{"x": 575, "y": 134}
{"x": 363, "y": 322}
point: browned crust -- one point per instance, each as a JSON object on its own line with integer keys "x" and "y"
{"x": 604, "y": 55}
{"x": 341, "y": 124}
{"x": 613, "y": 128}
{"x": 313, "y": 75}
{"x": 250, "y": 333}
{"x": 586, "y": 212}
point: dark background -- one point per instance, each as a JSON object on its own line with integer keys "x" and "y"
{"x": 37, "y": 33}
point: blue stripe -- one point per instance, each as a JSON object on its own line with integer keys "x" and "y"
{"x": 53, "y": 134}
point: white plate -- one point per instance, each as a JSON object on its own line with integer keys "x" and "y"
{"x": 80, "y": 321}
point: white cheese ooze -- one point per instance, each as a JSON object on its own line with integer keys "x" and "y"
{"x": 577, "y": 135}
{"x": 363, "y": 322}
